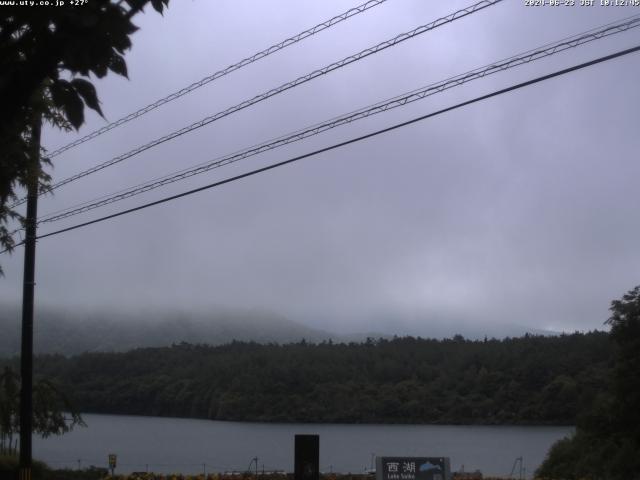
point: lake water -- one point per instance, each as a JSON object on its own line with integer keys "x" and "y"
{"x": 191, "y": 446}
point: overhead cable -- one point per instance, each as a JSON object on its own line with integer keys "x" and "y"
{"x": 221, "y": 73}
{"x": 398, "y": 101}
{"x": 282, "y": 88}
{"x": 349, "y": 142}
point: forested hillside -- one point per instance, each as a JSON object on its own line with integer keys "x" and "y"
{"x": 528, "y": 380}
{"x": 73, "y": 332}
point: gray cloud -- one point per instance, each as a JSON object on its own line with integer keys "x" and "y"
{"x": 518, "y": 211}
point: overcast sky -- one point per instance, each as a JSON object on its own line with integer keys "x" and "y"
{"x": 521, "y": 210}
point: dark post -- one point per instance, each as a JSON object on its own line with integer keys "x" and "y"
{"x": 307, "y": 457}
{"x": 26, "y": 355}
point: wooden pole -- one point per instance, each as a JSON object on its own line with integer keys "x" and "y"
{"x": 26, "y": 356}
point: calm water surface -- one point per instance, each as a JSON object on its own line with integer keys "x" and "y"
{"x": 189, "y": 446}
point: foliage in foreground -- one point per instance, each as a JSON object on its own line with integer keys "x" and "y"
{"x": 96, "y": 474}
{"x": 606, "y": 444}
{"x": 53, "y": 413}
{"x": 100, "y": 474}
{"x": 9, "y": 464}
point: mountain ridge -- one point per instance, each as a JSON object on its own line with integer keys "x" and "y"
{"x": 62, "y": 331}
{"x": 80, "y": 330}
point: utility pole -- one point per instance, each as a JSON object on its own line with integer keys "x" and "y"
{"x": 26, "y": 354}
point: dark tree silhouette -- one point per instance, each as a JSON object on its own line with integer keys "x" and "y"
{"x": 625, "y": 332}
{"x": 606, "y": 444}
{"x": 46, "y": 57}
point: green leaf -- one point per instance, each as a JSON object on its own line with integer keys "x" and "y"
{"x": 88, "y": 93}
{"x": 118, "y": 65}
{"x": 65, "y": 97}
{"x": 74, "y": 110}
{"x": 137, "y": 4}
{"x": 157, "y": 5}
{"x": 57, "y": 88}
{"x": 100, "y": 69}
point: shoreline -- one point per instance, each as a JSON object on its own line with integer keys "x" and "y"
{"x": 321, "y": 423}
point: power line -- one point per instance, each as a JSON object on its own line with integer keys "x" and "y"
{"x": 282, "y": 88}
{"x": 221, "y": 73}
{"x": 500, "y": 65}
{"x": 402, "y": 100}
{"x": 351, "y": 141}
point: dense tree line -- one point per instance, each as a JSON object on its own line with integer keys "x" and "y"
{"x": 528, "y": 380}
{"x": 606, "y": 444}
